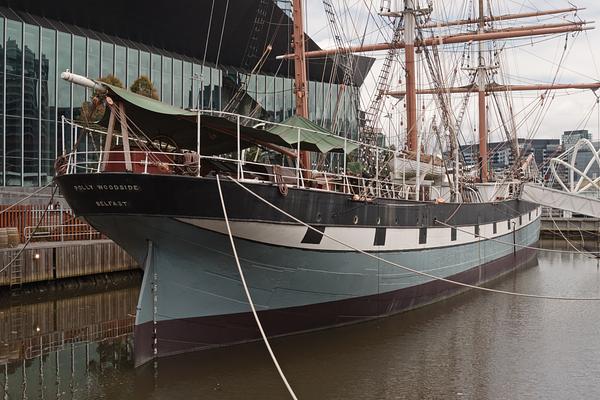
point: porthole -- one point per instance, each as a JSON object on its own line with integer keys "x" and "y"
{"x": 396, "y": 220}
{"x": 378, "y": 220}
{"x": 319, "y": 217}
{"x": 355, "y": 219}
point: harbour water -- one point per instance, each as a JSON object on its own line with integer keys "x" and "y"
{"x": 474, "y": 346}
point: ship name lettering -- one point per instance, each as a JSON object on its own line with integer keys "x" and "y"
{"x": 112, "y": 203}
{"x": 83, "y": 188}
{"x": 123, "y": 188}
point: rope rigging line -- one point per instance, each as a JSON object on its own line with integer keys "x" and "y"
{"x": 249, "y": 297}
{"x": 414, "y": 271}
{"x": 26, "y": 197}
{"x": 15, "y": 258}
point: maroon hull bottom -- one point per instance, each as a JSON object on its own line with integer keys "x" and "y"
{"x": 190, "y": 334}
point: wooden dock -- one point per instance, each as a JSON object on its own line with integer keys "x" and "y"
{"x": 572, "y": 228}
{"x": 49, "y": 261}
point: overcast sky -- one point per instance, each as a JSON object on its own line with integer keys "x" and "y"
{"x": 527, "y": 61}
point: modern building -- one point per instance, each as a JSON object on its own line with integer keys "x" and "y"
{"x": 502, "y": 157}
{"x": 196, "y": 53}
{"x": 570, "y": 138}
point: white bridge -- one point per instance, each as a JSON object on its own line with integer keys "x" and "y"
{"x": 580, "y": 193}
{"x": 560, "y": 199}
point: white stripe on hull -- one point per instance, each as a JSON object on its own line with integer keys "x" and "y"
{"x": 397, "y": 239}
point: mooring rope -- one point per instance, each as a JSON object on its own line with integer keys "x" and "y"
{"x": 425, "y": 274}
{"x": 249, "y": 297}
{"x": 31, "y": 236}
{"x": 26, "y": 197}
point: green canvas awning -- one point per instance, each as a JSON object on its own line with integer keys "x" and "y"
{"x": 219, "y": 135}
{"x": 312, "y": 135}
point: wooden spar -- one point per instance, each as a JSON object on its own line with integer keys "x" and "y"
{"x": 411, "y": 77}
{"x": 493, "y": 88}
{"x": 542, "y": 26}
{"x": 452, "y": 39}
{"x": 505, "y": 17}
{"x": 481, "y": 83}
{"x": 300, "y": 72}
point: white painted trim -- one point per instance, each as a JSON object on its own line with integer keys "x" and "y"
{"x": 397, "y": 239}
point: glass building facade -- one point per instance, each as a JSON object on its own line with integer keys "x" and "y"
{"x": 33, "y": 98}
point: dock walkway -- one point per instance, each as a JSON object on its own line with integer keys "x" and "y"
{"x": 48, "y": 261}
{"x": 571, "y": 227}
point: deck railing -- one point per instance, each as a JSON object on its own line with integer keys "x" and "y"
{"x": 332, "y": 175}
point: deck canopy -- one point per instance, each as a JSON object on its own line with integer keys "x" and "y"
{"x": 319, "y": 137}
{"x": 219, "y": 134}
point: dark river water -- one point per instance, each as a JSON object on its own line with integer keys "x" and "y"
{"x": 474, "y": 346}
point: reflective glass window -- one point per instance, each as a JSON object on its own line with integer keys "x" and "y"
{"x": 14, "y": 76}
{"x": 31, "y": 70}
{"x": 188, "y": 95}
{"x": 120, "y": 64}
{"x": 197, "y": 85}
{"x": 14, "y": 68}
{"x": 63, "y": 57}
{"x": 331, "y": 112}
{"x": 288, "y": 96}
{"x": 144, "y": 64}
{"x": 31, "y": 105}
{"x": 312, "y": 102}
{"x": 48, "y": 139}
{"x": 13, "y": 151}
{"x": 1, "y": 45}
{"x": 133, "y": 66}
{"x": 177, "y": 83}
{"x": 279, "y": 106}
{"x": 31, "y": 159}
{"x": 155, "y": 73}
{"x": 93, "y": 59}
{"x": 319, "y": 103}
{"x": 206, "y": 88}
{"x": 79, "y": 67}
{"x": 260, "y": 93}
{"x": 269, "y": 101}
{"x": 167, "y": 80}
{"x": 48, "y": 61}
{"x": 216, "y": 88}
{"x": 108, "y": 61}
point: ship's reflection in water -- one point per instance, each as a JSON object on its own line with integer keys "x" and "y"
{"x": 475, "y": 346}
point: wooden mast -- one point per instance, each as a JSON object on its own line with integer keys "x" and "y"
{"x": 481, "y": 83}
{"x": 410, "y": 23}
{"x": 300, "y": 80}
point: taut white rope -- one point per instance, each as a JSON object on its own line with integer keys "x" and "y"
{"x": 237, "y": 261}
{"x": 483, "y": 289}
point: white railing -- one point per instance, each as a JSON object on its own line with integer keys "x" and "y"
{"x": 61, "y": 232}
{"x": 333, "y": 178}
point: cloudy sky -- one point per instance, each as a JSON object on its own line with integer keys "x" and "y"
{"x": 524, "y": 61}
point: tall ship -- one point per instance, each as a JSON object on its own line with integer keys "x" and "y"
{"x": 329, "y": 229}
